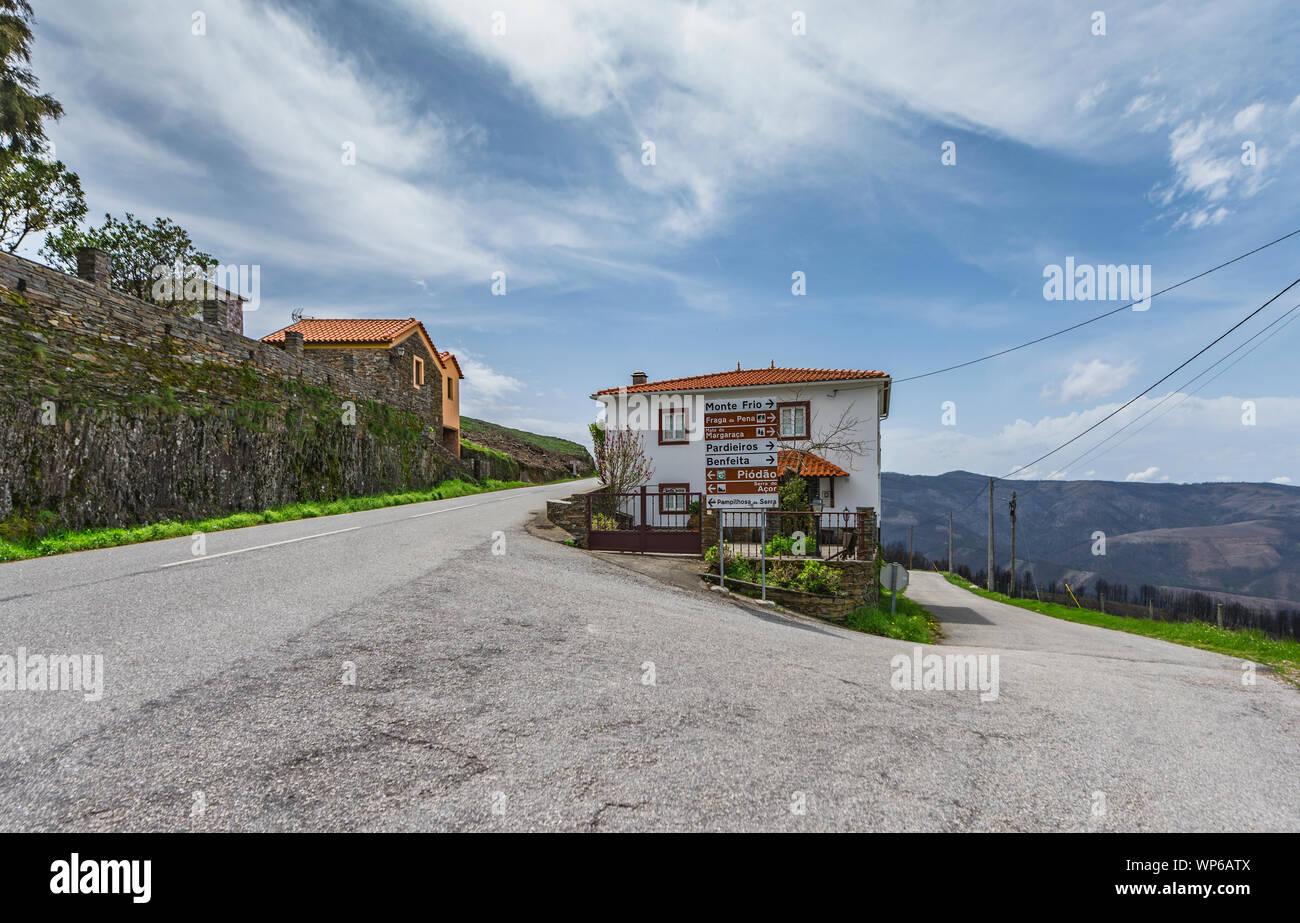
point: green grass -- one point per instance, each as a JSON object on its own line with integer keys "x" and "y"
{"x": 910, "y": 622}
{"x": 1245, "y": 643}
{"x": 63, "y": 542}
{"x": 468, "y": 425}
{"x": 494, "y": 453}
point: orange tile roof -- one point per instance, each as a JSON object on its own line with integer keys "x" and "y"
{"x": 814, "y": 466}
{"x": 744, "y": 378}
{"x": 444, "y": 356}
{"x": 347, "y": 330}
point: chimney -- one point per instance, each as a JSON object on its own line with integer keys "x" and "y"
{"x": 638, "y": 378}
{"x": 293, "y": 343}
{"x": 94, "y": 266}
{"x": 214, "y": 313}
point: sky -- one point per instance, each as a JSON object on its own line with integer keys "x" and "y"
{"x": 648, "y": 179}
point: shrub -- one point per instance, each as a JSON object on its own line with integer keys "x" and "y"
{"x": 784, "y": 573}
{"x": 602, "y": 523}
{"x": 816, "y": 577}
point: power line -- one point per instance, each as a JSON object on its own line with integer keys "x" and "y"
{"x": 1161, "y": 381}
{"x": 1084, "y": 323}
{"x": 1151, "y": 388}
{"x": 1186, "y": 395}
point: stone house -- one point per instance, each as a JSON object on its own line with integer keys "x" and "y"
{"x": 392, "y": 353}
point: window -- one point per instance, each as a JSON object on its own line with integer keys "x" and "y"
{"x": 417, "y": 371}
{"x": 794, "y": 419}
{"x": 672, "y": 426}
{"x": 449, "y": 385}
{"x": 672, "y": 498}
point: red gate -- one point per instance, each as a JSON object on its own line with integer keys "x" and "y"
{"x": 665, "y": 521}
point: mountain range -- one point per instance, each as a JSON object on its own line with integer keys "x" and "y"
{"x": 1235, "y": 540}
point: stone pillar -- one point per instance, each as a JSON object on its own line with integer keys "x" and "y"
{"x": 293, "y": 343}
{"x": 94, "y": 266}
{"x": 708, "y": 529}
{"x": 866, "y": 533}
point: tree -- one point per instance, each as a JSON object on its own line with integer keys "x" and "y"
{"x": 839, "y": 435}
{"x": 142, "y": 253}
{"x": 621, "y": 462}
{"x": 22, "y": 111}
{"x": 35, "y": 194}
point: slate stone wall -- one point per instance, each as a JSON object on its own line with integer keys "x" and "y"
{"x": 117, "y": 411}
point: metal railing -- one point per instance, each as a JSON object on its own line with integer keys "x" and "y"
{"x": 778, "y": 534}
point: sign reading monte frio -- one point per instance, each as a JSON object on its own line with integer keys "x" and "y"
{"x": 740, "y": 454}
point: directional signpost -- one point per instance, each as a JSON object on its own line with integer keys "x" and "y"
{"x": 741, "y": 454}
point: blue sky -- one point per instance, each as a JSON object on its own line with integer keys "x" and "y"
{"x": 775, "y": 152}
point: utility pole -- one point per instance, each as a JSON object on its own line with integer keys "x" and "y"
{"x": 990, "y": 567}
{"x": 1013, "y": 543}
{"x": 911, "y": 531}
{"x": 950, "y": 542}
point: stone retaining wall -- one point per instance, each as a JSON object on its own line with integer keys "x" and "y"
{"x": 117, "y": 411}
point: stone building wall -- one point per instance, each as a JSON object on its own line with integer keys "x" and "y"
{"x": 117, "y": 411}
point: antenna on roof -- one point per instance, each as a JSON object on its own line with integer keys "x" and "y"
{"x": 737, "y": 365}
{"x": 296, "y": 315}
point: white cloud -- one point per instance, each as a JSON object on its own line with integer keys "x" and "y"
{"x": 1148, "y": 475}
{"x": 1092, "y": 380}
{"x": 485, "y": 391}
{"x": 1280, "y": 480}
{"x": 1185, "y": 436}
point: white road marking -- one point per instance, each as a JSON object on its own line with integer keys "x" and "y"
{"x": 287, "y": 541}
{"x": 445, "y": 510}
{"x": 290, "y": 541}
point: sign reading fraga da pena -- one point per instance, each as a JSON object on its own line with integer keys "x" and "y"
{"x": 740, "y": 454}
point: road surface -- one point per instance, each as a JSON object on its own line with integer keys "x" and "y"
{"x": 549, "y": 689}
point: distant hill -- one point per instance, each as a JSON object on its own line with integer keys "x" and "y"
{"x": 1240, "y": 540}
{"x": 540, "y": 457}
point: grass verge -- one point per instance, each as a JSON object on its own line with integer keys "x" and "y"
{"x": 63, "y": 542}
{"x": 1246, "y": 643}
{"x": 910, "y": 621}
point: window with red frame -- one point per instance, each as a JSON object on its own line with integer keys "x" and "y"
{"x": 673, "y": 426}
{"x": 793, "y": 418}
{"x": 672, "y": 497}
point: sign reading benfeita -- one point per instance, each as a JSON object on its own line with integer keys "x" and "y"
{"x": 741, "y": 453}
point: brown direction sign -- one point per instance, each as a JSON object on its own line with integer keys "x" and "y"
{"x": 733, "y": 475}
{"x": 741, "y": 474}
{"x": 739, "y": 431}
{"x": 740, "y": 418}
{"x": 744, "y": 488}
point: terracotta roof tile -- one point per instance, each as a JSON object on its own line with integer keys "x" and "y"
{"x": 443, "y": 357}
{"x": 347, "y": 330}
{"x": 744, "y": 378}
{"x": 814, "y": 466}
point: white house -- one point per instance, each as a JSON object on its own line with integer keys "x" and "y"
{"x": 826, "y": 422}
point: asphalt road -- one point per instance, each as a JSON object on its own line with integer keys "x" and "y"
{"x": 513, "y": 691}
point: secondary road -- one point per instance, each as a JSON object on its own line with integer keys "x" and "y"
{"x": 546, "y": 688}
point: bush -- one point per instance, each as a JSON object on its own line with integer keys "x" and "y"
{"x": 817, "y": 577}
{"x": 780, "y": 546}
{"x": 784, "y": 573}
{"x": 602, "y": 523}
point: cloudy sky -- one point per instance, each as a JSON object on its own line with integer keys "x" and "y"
{"x": 514, "y": 137}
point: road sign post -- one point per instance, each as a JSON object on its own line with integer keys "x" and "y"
{"x": 893, "y": 577}
{"x": 741, "y": 454}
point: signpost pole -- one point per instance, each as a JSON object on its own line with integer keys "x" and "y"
{"x": 893, "y": 590}
{"x": 762, "y": 557}
{"x": 722, "y": 548}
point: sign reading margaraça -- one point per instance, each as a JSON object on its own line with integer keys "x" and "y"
{"x": 741, "y": 453}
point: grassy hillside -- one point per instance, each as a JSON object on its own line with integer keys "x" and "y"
{"x": 482, "y": 432}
